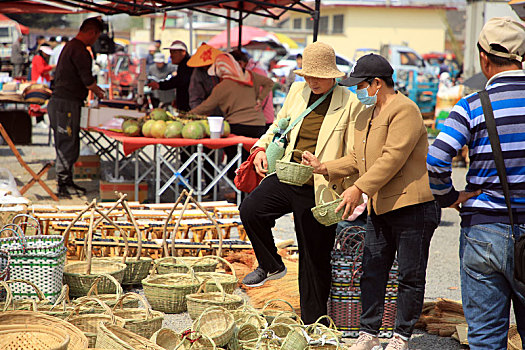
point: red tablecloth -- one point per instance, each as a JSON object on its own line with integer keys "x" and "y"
{"x": 131, "y": 144}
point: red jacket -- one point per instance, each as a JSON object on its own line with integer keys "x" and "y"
{"x": 40, "y": 69}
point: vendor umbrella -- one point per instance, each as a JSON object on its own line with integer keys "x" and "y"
{"x": 249, "y": 35}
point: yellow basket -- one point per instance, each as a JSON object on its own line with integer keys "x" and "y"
{"x": 292, "y": 173}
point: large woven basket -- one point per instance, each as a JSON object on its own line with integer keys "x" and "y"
{"x": 45, "y": 332}
{"x": 228, "y": 282}
{"x": 136, "y": 270}
{"x": 88, "y": 323}
{"x": 292, "y": 173}
{"x": 143, "y": 321}
{"x": 109, "y": 299}
{"x": 217, "y": 323}
{"x": 114, "y": 337}
{"x": 172, "y": 264}
{"x": 200, "y": 301}
{"x": 80, "y": 283}
{"x": 325, "y": 212}
{"x": 167, "y": 293}
{"x": 22, "y": 304}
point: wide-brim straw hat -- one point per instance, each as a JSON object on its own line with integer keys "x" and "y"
{"x": 319, "y": 62}
{"x": 204, "y": 56}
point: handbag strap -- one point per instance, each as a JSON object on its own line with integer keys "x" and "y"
{"x": 496, "y": 149}
{"x": 306, "y": 112}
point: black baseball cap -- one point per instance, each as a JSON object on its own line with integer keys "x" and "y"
{"x": 368, "y": 67}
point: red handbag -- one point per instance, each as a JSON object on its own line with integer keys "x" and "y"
{"x": 246, "y": 178}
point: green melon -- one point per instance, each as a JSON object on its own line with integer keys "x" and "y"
{"x": 206, "y": 126}
{"x": 158, "y": 114}
{"x": 158, "y": 128}
{"x": 226, "y": 129}
{"x": 193, "y": 130}
{"x": 173, "y": 130}
{"x": 146, "y": 128}
{"x": 131, "y": 128}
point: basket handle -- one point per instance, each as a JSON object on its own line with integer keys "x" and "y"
{"x": 39, "y": 294}
{"x": 332, "y": 192}
{"x": 197, "y": 324}
{"x": 323, "y": 337}
{"x": 217, "y": 283}
{"x": 63, "y": 298}
{"x": 293, "y": 151}
{"x": 131, "y": 295}
{"x": 86, "y": 300}
{"x": 331, "y": 326}
{"x": 287, "y": 314}
{"x": 278, "y": 300}
{"x": 8, "y": 297}
{"x": 20, "y": 235}
{"x": 94, "y": 286}
{"x": 35, "y": 225}
{"x": 222, "y": 260}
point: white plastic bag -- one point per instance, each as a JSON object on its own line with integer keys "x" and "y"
{"x": 8, "y": 183}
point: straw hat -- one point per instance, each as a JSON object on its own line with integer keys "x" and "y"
{"x": 319, "y": 62}
{"x": 204, "y": 56}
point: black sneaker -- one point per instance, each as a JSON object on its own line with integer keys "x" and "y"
{"x": 63, "y": 192}
{"x": 259, "y": 276}
{"x": 78, "y": 189}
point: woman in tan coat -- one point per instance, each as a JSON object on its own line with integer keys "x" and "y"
{"x": 390, "y": 147}
{"x": 327, "y": 131}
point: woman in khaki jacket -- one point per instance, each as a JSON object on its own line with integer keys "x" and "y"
{"x": 326, "y": 131}
{"x": 390, "y": 147}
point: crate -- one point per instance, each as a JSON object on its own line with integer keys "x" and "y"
{"x": 87, "y": 167}
{"x": 107, "y": 190}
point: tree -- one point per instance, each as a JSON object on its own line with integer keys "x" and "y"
{"x": 42, "y": 21}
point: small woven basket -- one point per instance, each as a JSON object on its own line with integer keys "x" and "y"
{"x": 109, "y": 299}
{"x": 167, "y": 293}
{"x": 111, "y": 336}
{"x": 200, "y": 301}
{"x": 271, "y": 313}
{"x": 325, "y": 212}
{"x": 292, "y": 173}
{"x": 323, "y": 337}
{"x": 80, "y": 283}
{"x": 217, "y": 323}
{"x": 172, "y": 264}
{"x": 136, "y": 270}
{"x": 45, "y": 332}
{"x": 248, "y": 314}
{"x": 227, "y": 281}
{"x": 140, "y": 321}
{"x": 88, "y": 323}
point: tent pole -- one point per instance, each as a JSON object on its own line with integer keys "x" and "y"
{"x": 228, "y": 31}
{"x": 190, "y": 15}
{"x": 316, "y": 13}
{"x": 239, "y": 43}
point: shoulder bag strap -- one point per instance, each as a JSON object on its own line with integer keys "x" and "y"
{"x": 306, "y": 112}
{"x": 496, "y": 149}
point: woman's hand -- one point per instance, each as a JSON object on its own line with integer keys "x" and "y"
{"x": 309, "y": 159}
{"x": 261, "y": 163}
{"x": 351, "y": 198}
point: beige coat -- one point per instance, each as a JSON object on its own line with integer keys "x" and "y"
{"x": 336, "y": 137}
{"x": 390, "y": 157}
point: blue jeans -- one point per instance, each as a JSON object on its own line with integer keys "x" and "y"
{"x": 406, "y": 231}
{"x": 486, "y": 254}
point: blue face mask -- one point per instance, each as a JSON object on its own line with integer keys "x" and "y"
{"x": 362, "y": 96}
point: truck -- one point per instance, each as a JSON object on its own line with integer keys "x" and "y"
{"x": 9, "y": 33}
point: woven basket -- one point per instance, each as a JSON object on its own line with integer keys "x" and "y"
{"x": 217, "y": 323}
{"x": 325, "y": 212}
{"x": 228, "y": 282}
{"x": 270, "y": 314}
{"x": 292, "y": 173}
{"x": 109, "y": 299}
{"x": 144, "y": 321}
{"x": 248, "y": 314}
{"x": 180, "y": 264}
{"x": 167, "y": 339}
{"x": 247, "y": 334}
{"x": 136, "y": 270}
{"x": 201, "y": 301}
{"x": 167, "y": 293}
{"x": 39, "y": 259}
{"x": 188, "y": 340}
{"x": 294, "y": 340}
{"x": 323, "y": 337}
{"x": 45, "y": 328}
{"x": 114, "y": 337}
{"x": 88, "y": 323}
{"x": 23, "y": 304}
{"x": 80, "y": 283}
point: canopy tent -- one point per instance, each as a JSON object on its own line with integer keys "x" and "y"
{"x": 249, "y": 34}
{"x": 23, "y": 29}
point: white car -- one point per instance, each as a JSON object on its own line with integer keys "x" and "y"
{"x": 287, "y": 63}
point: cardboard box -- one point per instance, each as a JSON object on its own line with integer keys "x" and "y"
{"x": 97, "y": 117}
{"x": 87, "y": 167}
{"x": 107, "y": 190}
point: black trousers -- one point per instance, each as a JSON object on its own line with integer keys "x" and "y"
{"x": 259, "y": 210}
{"x": 242, "y": 130}
{"x": 64, "y": 116}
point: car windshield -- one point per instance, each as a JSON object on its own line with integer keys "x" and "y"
{"x": 410, "y": 59}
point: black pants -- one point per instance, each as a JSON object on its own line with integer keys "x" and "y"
{"x": 242, "y": 130}
{"x": 64, "y": 116}
{"x": 408, "y": 232}
{"x": 268, "y": 202}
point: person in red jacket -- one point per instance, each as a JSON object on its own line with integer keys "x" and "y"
{"x": 41, "y": 73}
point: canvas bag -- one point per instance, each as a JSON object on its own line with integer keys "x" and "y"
{"x": 275, "y": 149}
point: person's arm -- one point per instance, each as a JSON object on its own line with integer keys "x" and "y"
{"x": 83, "y": 62}
{"x": 264, "y": 82}
{"x": 180, "y": 80}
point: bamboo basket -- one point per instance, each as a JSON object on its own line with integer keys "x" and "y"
{"x": 292, "y": 173}
{"x": 323, "y": 337}
{"x": 248, "y": 333}
{"x": 62, "y": 307}
{"x": 228, "y": 282}
{"x": 248, "y": 314}
{"x": 167, "y": 339}
{"x": 109, "y": 299}
{"x": 114, "y": 337}
{"x": 325, "y": 212}
{"x": 167, "y": 293}
{"x": 217, "y": 323}
{"x": 187, "y": 340}
{"x": 172, "y": 264}
{"x": 200, "y": 301}
{"x": 271, "y": 314}
{"x": 40, "y": 328}
{"x": 144, "y": 321}
{"x": 22, "y": 304}
{"x": 88, "y": 323}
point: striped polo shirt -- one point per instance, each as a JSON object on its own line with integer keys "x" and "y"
{"x": 465, "y": 125}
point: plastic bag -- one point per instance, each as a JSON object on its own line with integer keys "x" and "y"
{"x": 8, "y": 183}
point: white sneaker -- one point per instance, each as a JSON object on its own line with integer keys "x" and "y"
{"x": 41, "y": 125}
{"x": 397, "y": 343}
{"x": 366, "y": 342}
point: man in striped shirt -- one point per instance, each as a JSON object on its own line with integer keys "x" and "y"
{"x": 486, "y": 242}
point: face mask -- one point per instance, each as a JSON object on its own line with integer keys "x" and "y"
{"x": 362, "y": 96}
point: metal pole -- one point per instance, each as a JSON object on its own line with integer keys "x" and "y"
{"x": 316, "y": 14}
{"x": 239, "y": 44}
{"x": 190, "y": 15}
{"x": 200, "y": 149}
{"x": 156, "y": 156}
{"x": 228, "y": 32}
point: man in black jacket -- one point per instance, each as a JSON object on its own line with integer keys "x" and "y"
{"x": 181, "y": 81}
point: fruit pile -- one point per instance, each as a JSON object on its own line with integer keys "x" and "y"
{"x": 161, "y": 124}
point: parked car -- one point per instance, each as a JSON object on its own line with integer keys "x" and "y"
{"x": 287, "y": 63}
